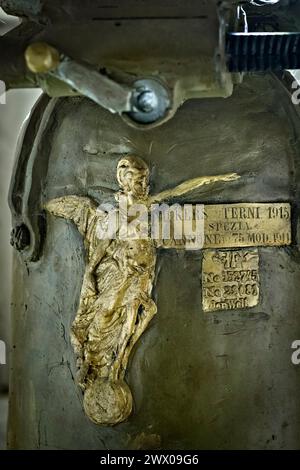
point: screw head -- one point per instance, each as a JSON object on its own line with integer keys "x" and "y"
{"x": 146, "y": 101}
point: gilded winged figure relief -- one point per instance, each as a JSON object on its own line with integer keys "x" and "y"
{"x": 115, "y": 304}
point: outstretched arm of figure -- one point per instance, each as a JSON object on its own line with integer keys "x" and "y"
{"x": 76, "y": 208}
{"x": 191, "y": 185}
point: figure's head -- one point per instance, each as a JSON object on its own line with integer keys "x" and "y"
{"x": 133, "y": 176}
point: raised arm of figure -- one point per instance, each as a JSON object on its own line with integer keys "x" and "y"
{"x": 190, "y": 185}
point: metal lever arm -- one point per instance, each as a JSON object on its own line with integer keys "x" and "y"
{"x": 146, "y": 101}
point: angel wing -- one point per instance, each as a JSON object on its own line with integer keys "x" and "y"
{"x": 76, "y": 208}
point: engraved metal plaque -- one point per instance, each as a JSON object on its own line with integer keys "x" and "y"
{"x": 235, "y": 225}
{"x": 247, "y": 224}
{"x": 230, "y": 279}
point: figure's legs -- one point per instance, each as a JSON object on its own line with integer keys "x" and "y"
{"x": 126, "y": 333}
{"x": 144, "y": 318}
{"x": 107, "y": 398}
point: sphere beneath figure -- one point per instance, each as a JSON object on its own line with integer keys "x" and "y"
{"x": 107, "y": 402}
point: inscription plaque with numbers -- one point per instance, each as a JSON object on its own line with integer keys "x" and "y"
{"x": 247, "y": 224}
{"x": 230, "y": 279}
{"x": 235, "y": 225}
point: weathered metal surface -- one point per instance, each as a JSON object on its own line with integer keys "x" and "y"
{"x": 199, "y": 380}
